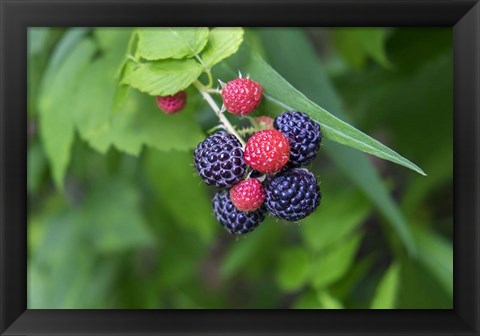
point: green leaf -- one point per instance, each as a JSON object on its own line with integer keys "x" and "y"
{"x": 333, "y": 264}
{"x": 63, "y": 48}
{"x": 288, "y": 49}
{"x": 222, "y": 43}
{"x": 363, "y": 174}
{"x": 386, "y": 293}
{"x": 37, "y": 39}
{"x": 181, "y": 191}
{"x": 109, "y": 229}
{"x": 56, "y": 119}
{"x": 283, "y": 93}
{"x": 162, "y": 78}
{"x": 440, "y": 168}
{"x": 113, "y": 39}
{"x": 115, "y": 44}
{"x": 162, "y": 43}
{"x": 76, "y": 260}
{"x": 355, "y": 289}
{"x": 137, "y": 121}
{"x": 293, "y": 269}
{"x": 308, "y": 300}
{"x": 140, "y": 123}
{"x": 436, "y": 254}
{"x": 423, "y": 283}
{"x": 420, "y": 289}
{"x": 36, "y": 166}
{"x": 254, "y": 250}
{"x": 336, "y": 218}
{"x": 356, "y": 45}
{"x": 328, "y": 301}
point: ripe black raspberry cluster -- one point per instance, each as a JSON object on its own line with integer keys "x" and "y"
{"x": 293, "y": 194}
{"x": 264, "y": 175}
{"x": 219, "y": 160}
{"x": 303, "y": 134}
{"x": 232, "y": 219}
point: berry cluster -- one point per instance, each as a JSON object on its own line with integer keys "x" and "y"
{"x": 264, "y": 175}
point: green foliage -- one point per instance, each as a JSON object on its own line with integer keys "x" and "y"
{"x": 385, "y": 296}
{"x": 357, "y": 45}
{"x": 36, "y": 166}
{"x": 56, "y": 123}
{"x": 341, "y": 214}
{"x": 436, "y": 254}
{"x": 118, "y": 219}
{"x": 334, "y": 263}
{"x": 65, "y": 273}
{"x": 294, "y": 268}
{"x": 162, "y": 43}
{"x": 282, "y": 93}
{"x": 162, "y": 78}
{"x": 138, "y": 122}
{"x": 175, "y": 72}
{"x": 222, "y": 43}
{"x": 181, "y": 184}
{"x": 312, "y": 79}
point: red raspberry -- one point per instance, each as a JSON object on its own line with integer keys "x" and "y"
{"x": 172, "y": 104}
{"x": 241, "y": 96}
{"x": 247, "y": 195}
{"x": 267, "y": 151}
{"x": 266, "y": 122}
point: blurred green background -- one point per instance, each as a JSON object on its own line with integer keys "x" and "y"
{"x": 132, "y": 226}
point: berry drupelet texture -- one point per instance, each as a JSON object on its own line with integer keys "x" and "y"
{"x": 172, "y": 104}
{"x": 232, "y": 219}
{"x": 303, "y": 134}
{"x": 248, "y": 195}
{"x": 219, "y": 160}
{"x": 293, "y": 194}
{"x": 241, "y": 96}
{"x": 267, "y": 151}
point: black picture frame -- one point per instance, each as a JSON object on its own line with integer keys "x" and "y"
{"x": 17, "y": 15}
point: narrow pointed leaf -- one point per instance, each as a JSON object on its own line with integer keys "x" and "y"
{"x": 278, "y": 90}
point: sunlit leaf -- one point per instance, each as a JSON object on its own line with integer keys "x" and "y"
{"x": 171, "y": 42}
{"x": 283, "y": 93}
{"x": 331, "y": 265}
{"x": 222, "y": 43}
{"x": 386, "y": 293}
{"x": 356, "y": 45}
{"x": 56, "y": 119}
{"x": 294, "y": 268}
{"x": 162, "y": 78}
{"x": 289, "y": 48}
{"x": 338, "y": 216}
{"x": 181, "y": 184}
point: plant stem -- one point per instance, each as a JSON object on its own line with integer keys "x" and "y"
{"x": 223, "y": 120}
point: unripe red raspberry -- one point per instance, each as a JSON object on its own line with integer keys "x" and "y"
{"x": 247, "y": 195}
{"x": 265, "y": 122}
{"x": 242, "y": 96}
{"x": 172, "y": 104}
{"x": 267, "y": 151}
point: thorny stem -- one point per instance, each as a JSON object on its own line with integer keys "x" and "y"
{"x": 223, "y": 120}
